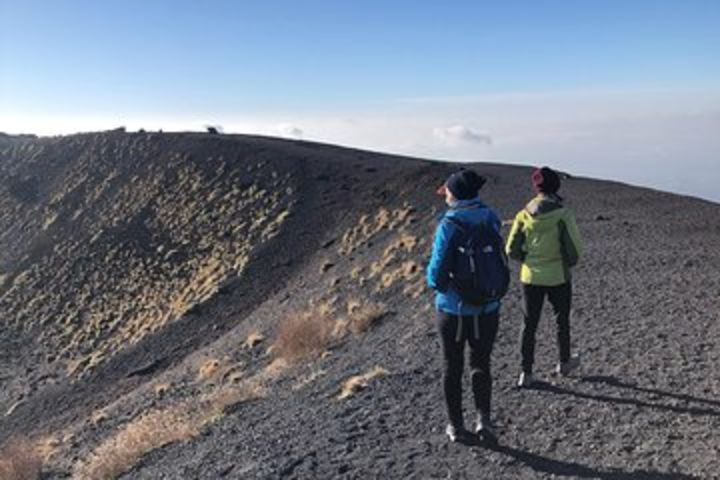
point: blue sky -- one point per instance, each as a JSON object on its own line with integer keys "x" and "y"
{"x": 458, "y": 72}
{"x": 175, "y": 55}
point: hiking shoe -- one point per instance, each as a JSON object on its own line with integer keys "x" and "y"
{"x": 564, "y": 368}
{"x": 485, "y": 430}
{"x": 455, "y": 433}
{"x": 526, "y": 380}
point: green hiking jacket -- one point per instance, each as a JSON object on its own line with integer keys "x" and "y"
{"x": 545, "y": 238}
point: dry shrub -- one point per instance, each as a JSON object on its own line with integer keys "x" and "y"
{"x": 359, "y": 382}
{"x": 20, "y": 459}
{"x": 363, "y": 316}
{"x": 304, "y": 334}
{"x": 309, "y": 334}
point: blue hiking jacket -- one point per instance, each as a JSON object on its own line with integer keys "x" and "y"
{"x": 447, "y": 300}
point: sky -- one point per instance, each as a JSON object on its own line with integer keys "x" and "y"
{"x": 625, "y": 90}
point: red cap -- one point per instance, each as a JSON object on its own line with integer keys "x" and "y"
{"x": 545, "y": 180}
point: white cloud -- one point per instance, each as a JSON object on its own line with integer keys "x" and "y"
{"x": 666, "y": 140}
{"x": 456, "y": 134}
{"x": 288, "y": 130}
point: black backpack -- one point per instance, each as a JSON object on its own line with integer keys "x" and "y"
{"x": 479, "y": 272}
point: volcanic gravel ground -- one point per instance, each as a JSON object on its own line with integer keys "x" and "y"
{"x": 645, "y": 403}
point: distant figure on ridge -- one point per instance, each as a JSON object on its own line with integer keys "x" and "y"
{"x": 468, "y": 271}
{"x": 545, "y": 238}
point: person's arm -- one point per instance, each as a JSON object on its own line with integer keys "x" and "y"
{"x": 570, "y": 239}
{"x": 495, "y": 222}
{"x": 573, "y": 241}
{"x": 438, "y": 269}
{"x": 514, "y": 248}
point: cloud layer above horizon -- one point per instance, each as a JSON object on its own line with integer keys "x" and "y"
{"x": 664, "y": 140}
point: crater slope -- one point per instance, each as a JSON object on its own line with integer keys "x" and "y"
{"x": 184, "y": 305}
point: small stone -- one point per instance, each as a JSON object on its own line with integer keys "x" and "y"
{"x": 225, "y": 470}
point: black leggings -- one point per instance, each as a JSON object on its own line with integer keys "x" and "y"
{"x": 480, "y": 334}
{"x": 559, "y": 298}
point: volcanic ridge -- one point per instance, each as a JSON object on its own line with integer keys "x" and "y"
{"x": 190, "y": 305}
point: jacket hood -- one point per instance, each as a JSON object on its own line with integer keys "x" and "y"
{"x": 543, "y": 213}
{"x": 466, "y": 210}
{"x": 543, "y": 204}
{"x": 469, "y": 203}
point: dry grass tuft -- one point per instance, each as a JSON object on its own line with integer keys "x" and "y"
{"x": 254, "y": 339}
{"x": 161, "y": 389}
{"x": 233, "y": 374}
{"x": 150, "y": 431}
{"x": 218, "y": 402}
{"x": 209, "y": 370}
{"x": 363, "y": 316}
{"x": 310, "y": 333}
{"x": 47, "y": 447}
{"x": 304, "y": 334}
{"x": 20, "y": 459}
{"x": 99, "y": 417}
{"x": 368, "y": 226}
{"x": 121, "y": 451}
{"x": 308, "y": 379}
{"x": 275, "y": 368}
{"x": 359, "y": 382}
{"x": 416, "y": 288}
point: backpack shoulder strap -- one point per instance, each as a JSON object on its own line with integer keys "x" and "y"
{"x": 463, "y": 227}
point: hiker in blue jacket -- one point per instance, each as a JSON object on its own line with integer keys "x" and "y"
{"x": 459, "y": 322}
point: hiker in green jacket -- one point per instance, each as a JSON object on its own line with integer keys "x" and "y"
{"x": 545, "y": 238}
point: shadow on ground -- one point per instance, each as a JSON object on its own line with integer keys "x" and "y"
{"x": 612, "y": 381}
{"x": 615, "y": 382}
{"x": 548, "y": 465}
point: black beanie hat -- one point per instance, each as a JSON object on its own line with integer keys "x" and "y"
{"x": 465, "y": 184}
